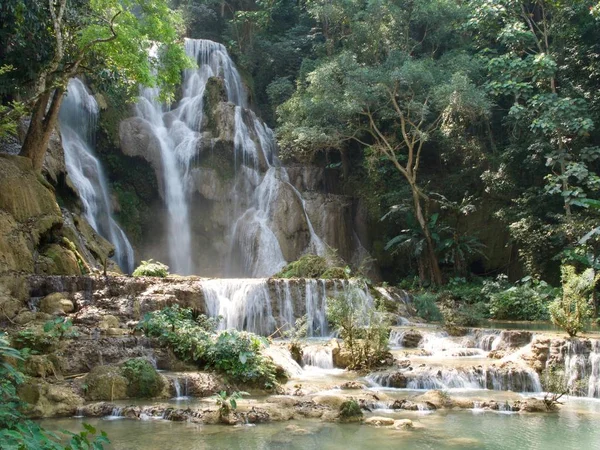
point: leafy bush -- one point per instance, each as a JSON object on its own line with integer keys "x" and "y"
{"x": 426, "y": 307}
{"x": 350, "y": 409}
{"x": 572, "y": 311}
{"x": 144, "y": 381}
{"x": 227, "y": 403}
{"x": 308, "y": 266}
{"x": 527, "y": 300}
{"x": 364, "y": 329}
{"x": 16, "y": 431}
{"x": 151, "y": 268}
{"x": 46, "y": 339}
{"x": 234, "y": 353}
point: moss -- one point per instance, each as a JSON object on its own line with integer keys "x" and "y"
{"x": 350, "y": 410}
{"x": 144, "y": 381}
{"x": 221, "y": 160}
{"x": 58, "y": 260}
{"x": 308, "y": 266}
{"x": 213, "y": 95}
{"x": 336, "y": 273}
{"x": 105, "y": 383}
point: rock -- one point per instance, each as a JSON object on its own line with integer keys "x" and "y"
{"x": 404, "y": 424}
{"x": 295, "y": 429}
{"x": 352, "y": 385}
{"x": 56, "y": 304}
{"x": 25, "y": 317}
{"x": 332, "y": 401}
{"x": 497, "y": 354}
{"x": 534, "y": 405}
{"x": 411, "y": 339}
{"x": 437, "y": 398}
{"x": 143, "y": 381}
{"x": 105, "y": 383}
{"x": 341, "y": 357}
{"x": 513, "y": 339}
{"x": 10, "y": 306}
{"x": 108, "y": 321}
{"x": 48, "y": 400}
{"x": 379, "y": 421}
{"x": 39, "y": 366}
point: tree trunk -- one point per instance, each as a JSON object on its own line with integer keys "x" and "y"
{"x": 436, "y": 274}
{"x": 43, "y": 122}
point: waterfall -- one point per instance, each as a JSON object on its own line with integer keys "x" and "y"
{"x": 254, "y": 248}
{"x": 582, "y": 366}
{"x": 181, "y": 392}
{"x": 116, "y": 413}
{"x": 317, "y": 356}
{"x": 265, "y": 306}
{"x": 77, "y": 118}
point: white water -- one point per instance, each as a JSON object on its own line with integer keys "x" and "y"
{"x": 582, "y": 365}
{"x": 181, "y": 392}
{"x": 77, "y": 118}
{"x": 254, "y": 249}
{"x": 248, "y": 303}
{"x": 317, "y": 356}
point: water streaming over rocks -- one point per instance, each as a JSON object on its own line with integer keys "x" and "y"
{"x": 582, "y": 366}
{"x": 259, "y": 186}
{"x": 77, "y": 118}
{"x": 317, "y": 356}
{"x": 266, "y": 306}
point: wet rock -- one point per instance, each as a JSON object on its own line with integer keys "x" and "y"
{"x": 56, "y": 304}
{"x": 411, "y": 339}
{"x": 437, "y": 398}
{"x": 105, "y": 383}
{"x": 39, "y": 366}
{"x": 47, "y": 400}
{"x": 341, "y": 357}
{"x": 379, "y": 421}
{"x": 497, "y": 354}
{"x": 295, "y": 429}
{"x": 348, "y": 385}
{"x": 412, "y": 406}
{"x": 513, "y": 339}
{"x": 257, "y": 416}
{"x": 404, "y": 424}
{"x": 532, "y": 405}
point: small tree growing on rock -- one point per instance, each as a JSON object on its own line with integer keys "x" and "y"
{"x": 572, "y": 311}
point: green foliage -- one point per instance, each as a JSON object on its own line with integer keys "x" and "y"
{"x": 151, "y": 268}
{"x": 572, "y": 311}
{"x": 144, "y": 380}
{"x": 10, "y": 113}
{"x": 18, "y": 432}
{"x": 527, "y": 300}
{"x": 425, "y": 304}
{"x": 47, "y": 338}
{"x": 307, "y": 266}
{"x": 236, "y": 354}
{"x": 364, "y": 329}
{"x": 350, "y": 409}
{"x": 227, "y": 402}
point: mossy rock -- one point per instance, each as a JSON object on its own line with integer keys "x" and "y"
{"x": 214, "y": 94}
{"x": 56, "y": 303}
{"x": 143, "y": 379}
{"x": 105, "y": 383}
{"x": 39, "y": 366}
{"x": 335, "y": 273}
{"x": 48, "y": 400}
{"x": 58, "y": 260}
{"x": 308, "y": 266}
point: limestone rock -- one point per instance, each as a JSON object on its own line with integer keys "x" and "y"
{"x": 379, "y": 421}
{"x": 56, "y": 304}
{"x": 404, "y": 424}
{"x": 48, "y": 400}
{"x": 24, "y": 317}
{"x": 341, "y": 357}
{"x": 411, "y": 339}
{"x": 108, "y": 321}
{"x": 105, "y": 383}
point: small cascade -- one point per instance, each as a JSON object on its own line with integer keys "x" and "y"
{"x": 582, "y": 366}
{"x": 78, "y": 413}
{"x": 116, "y": 413}
{"x": 78, "y": 116}
{"x": 517, "y": 379}
{"x": 244, "y": 304}
{"x": 441, "y": 344}
{"x": 181, "y": 391}
{"x": 268, "y": 306}
{"x": 317, "y": 356}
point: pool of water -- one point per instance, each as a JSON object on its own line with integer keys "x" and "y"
{"x": 574, "y": 427}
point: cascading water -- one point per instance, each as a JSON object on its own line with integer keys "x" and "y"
{"x": 77, "y": 118}
{"x": 582, "y": 366}
{"x": 254, "y": 249}
{"x": 270, "y": 306}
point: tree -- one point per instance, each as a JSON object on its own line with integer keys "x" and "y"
{"x": 572, "y": 311}
{"x": 391, "y": 109}
{"x": 99, "y": 36}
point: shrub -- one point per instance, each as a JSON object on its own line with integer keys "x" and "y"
{"x": 528, "y": 300}
{"x": 426, "y": 307}
{"x": 234, "y": 353}
{"x": 151, "y": 268}
{"x": 364, "y": 329}
{"x": 350, "y": 409}
{"x": 44, "y": 340}
{"x": 572, "y": 311}
{"x": 308, "y": 266}
{"x": 143, "y": 379}
{"x": 227, "y": 403}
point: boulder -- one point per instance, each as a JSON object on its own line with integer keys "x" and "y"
{"x": 341, "y": 357}
{"x": 48, "y": 400}
{"x": 404, "y": 424}
{"x": 411, "y": 339}
{"x": 379, "y": 421}
{"x": 56, "y": 304}
{"x": 105, "y": 383}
